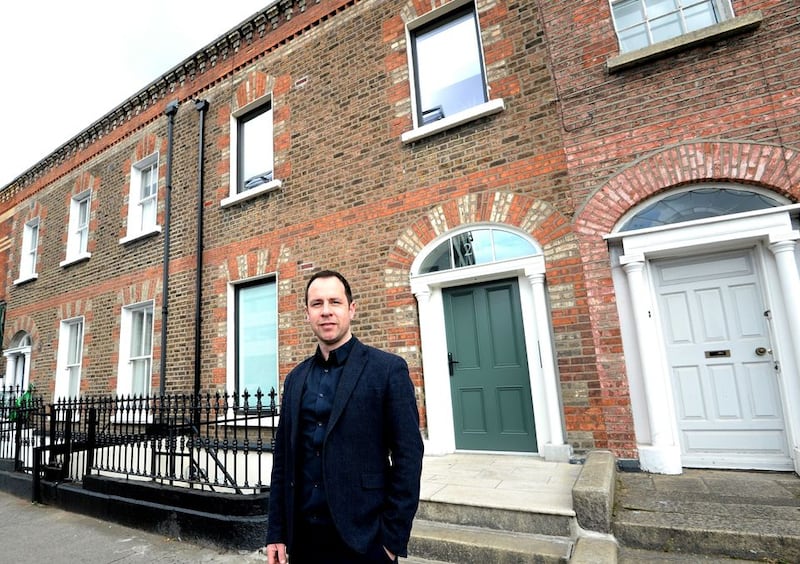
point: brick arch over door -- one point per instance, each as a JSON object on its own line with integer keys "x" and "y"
{"x": 768, "y": 166}
{"x": 582, "y": 395}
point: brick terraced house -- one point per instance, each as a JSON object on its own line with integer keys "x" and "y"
{"x": 576, "y": 220}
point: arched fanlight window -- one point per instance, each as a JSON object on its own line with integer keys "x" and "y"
{"x": 699, "y": 203}
{"x": 481, "y": 245}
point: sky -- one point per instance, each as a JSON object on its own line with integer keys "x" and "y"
{"x": 64, "y": 64}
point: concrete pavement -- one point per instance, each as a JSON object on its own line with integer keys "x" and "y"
{"x": 34, "y": 533}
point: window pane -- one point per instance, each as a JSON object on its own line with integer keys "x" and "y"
{"x": 479, "y": 246}
{"x": 148, "y": 213}
{"x": 700, "y": 203}
{"x": 148, "y": 331}
{"x": 34, "y": 237}
{"x": 666, "y": 27}
{"x": 73, "y": 386}
{"x": 141, "y": 332}
{"x": 628, "y": 14}
{"x": 149, "y": 181}
{"x": 482, "y": 246}
{"x": 83, "y": 212}
{"x": 257, "y": 338}
{"x": 634, "y": 38}
{"x": 82, "y": 226}
{"x": 137, "y": 322}
{"x": 658, "y": 8}
{"x": 448, "y": 68}
{"x": 75, "y": 339}
{"x": 83, "y": 239}
{"x": 437, "y": 260}
{"x": 255, "y": 147}
{"x": 509, "y": 246}
{"x": 472, "y": 247}
{"x": 140, "y": 383}
{"x": 699, "y": 16}
{"x": 642, "y": 22}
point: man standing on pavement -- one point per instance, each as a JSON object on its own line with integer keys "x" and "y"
{"x": 348, "y": 451}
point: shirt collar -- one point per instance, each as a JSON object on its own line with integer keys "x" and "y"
{"x": 336, "y": 357}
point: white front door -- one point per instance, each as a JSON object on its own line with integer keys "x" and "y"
{"x": 724, "y": 379}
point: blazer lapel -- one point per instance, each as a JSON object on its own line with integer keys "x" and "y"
{"x": 348, "y": 380}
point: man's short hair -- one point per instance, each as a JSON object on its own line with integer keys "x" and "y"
{"x": 331, "y": 274}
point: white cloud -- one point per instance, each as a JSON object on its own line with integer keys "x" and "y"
{"x": 65, "y": 64}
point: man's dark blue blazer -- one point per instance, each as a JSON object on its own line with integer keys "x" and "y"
{"x": 372, "y": 454}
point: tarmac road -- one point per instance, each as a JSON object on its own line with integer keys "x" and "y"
{"x": 44, "y": 534}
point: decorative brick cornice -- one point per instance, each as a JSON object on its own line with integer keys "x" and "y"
{"x": 697, "y": 161}
{"x": 281, "y": 18}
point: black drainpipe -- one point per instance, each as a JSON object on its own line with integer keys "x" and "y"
{"x": 201, "y": 106}
{"x": 170, "y": 111}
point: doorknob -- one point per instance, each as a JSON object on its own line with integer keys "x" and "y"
{"x": 450, "y": 363}
{"x": 761, "y": 351}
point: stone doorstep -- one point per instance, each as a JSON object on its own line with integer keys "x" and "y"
{"x": 724, "y": 535}
{"x": 509, "y": 520}
{"x": 461, "y": 543}
{"x": 454, "y": 532}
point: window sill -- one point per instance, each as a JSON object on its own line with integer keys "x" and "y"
{"x": 662, "y": 49}
{"x": 250, "y": 194}
{"x": 486, "y": 109}
{"x": 155, "y": 230}
{"x": 76, "y": 259}
{"x": 23, "y": 280}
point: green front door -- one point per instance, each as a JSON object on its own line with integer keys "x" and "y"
{"x": 489, "y": 380}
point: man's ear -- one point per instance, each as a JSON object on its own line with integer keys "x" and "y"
{"x": 352, "y": 310}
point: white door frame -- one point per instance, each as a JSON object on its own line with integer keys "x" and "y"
{"x": 545, "y": 390}
{"x": 651, "y": 394}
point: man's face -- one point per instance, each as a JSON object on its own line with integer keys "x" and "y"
{"x": 328, "y": 312}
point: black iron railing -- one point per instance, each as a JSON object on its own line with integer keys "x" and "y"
{"x": 217, "y": 442}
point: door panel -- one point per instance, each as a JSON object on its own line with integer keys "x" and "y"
{"x": 727, "y": 396}
{"x": 490, "y": 386}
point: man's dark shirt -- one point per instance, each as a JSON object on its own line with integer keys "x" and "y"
{"x": 315, "y": 410}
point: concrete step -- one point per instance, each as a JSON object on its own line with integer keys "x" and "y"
{"x": 445, "y": 542}
{"x": 705, "y": 532}
{"x": 744, "y": 526}
{"x": 641, "y": 556}
{"x": 498, "y": 518}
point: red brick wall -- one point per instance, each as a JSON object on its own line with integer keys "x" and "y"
{"x": 726, "y": 111}
{"x": 574, "y": 148}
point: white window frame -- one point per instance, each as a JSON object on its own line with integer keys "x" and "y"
{"x": 125, "y": 368}
{"x": 722, "y": 9}
{"x": 69, "y": 359}
{"x": 78, "y": 230}
{"x": 233, "y": 345}
{"x": 487, "y": 108}
{"x": 29, "y": 252}
{"x": 238, "y": 118}
{"x": 139, "y": 225}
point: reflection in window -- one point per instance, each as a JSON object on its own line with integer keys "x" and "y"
{"x": 478, "y": 246}
{"x": 448, "y": 67}
{"x": 254, "y": 150}
{"x": 699, "y": 203}
{"x": 640, "y": 23}
{"x": 256, "y": 338}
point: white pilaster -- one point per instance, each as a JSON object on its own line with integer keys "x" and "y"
{"x": 662, "y": 455}
{"x": 555, "y": 447}
{"x": 439, "y": 413}
{"x": 784, "y": 251}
